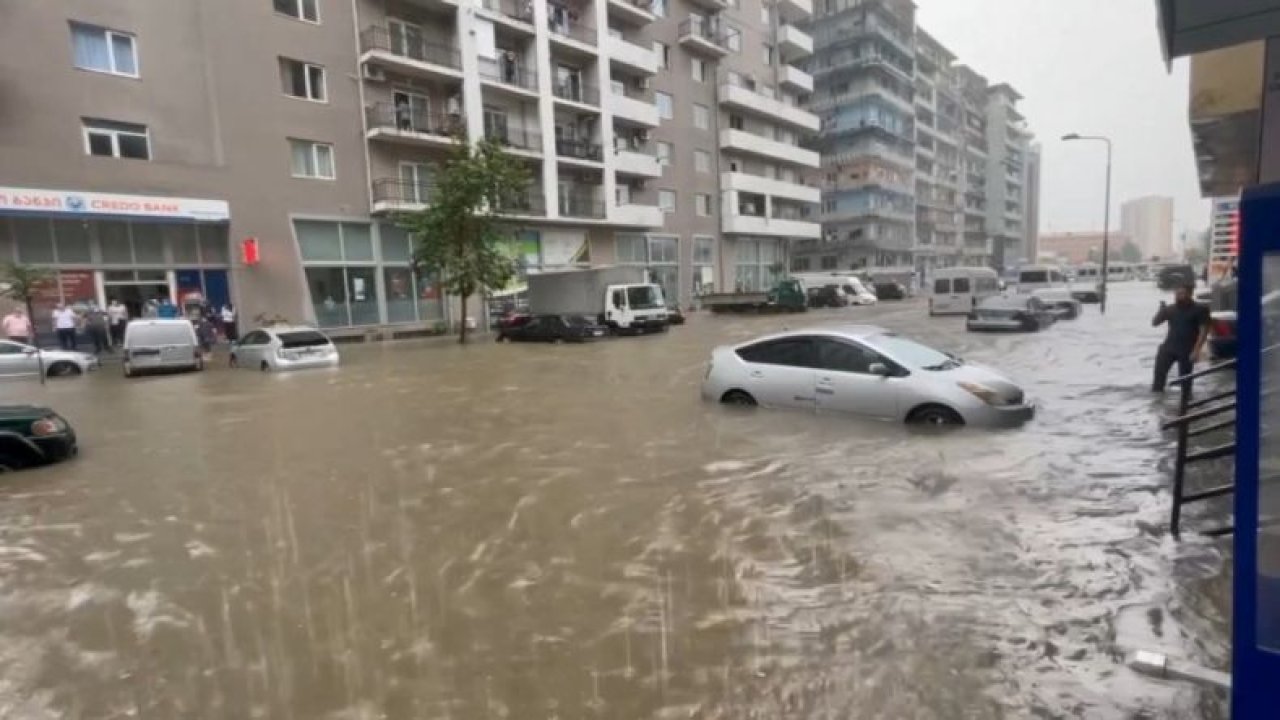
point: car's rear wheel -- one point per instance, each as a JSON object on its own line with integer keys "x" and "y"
{"x": 128, "y": 369}
{"x": 265, "y": 366}
{"x": 934, "y": 415}
{"x": 63, "y": 369}
{"x": 739, "y": 398}
{"x": 232, "y": 361}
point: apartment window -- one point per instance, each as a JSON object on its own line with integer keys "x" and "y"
{"x": 302, "y": 80}
{"x": 764, "y": 14}
{"x": 768, "y": 54}
{"x": 300, "y": 9}
{"x": 702, "y": 204}
{"x": 698, "y": 69}
{"x": 735, "y": 122}
{"x": 631, "y": 249}
{"x": 664, "y": 153}
{"x": 663, "y": 51}
{"x": 733, "y": 40}
{"x": 667, "y": 200}
{"x": 114, "y": 139}
{"x": 701, "y": 117}
{"x": 702, "y": 161}
{"x": 666, "y": 110}
{"x": 659, "y": 8}
{"x": 104, "y": 50}
{"x": 312, "y": 159}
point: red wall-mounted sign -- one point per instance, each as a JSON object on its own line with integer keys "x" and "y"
{"x": 249, "y": 253}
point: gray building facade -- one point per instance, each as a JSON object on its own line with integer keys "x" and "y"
{"x": 149, "y": 144}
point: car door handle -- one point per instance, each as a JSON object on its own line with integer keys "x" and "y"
{"x": 825, "y": 391}
{"x": 757, "y": 374}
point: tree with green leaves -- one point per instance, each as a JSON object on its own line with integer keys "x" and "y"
{"x": 460, "y": 237}
{"x": 23, "y": 283}
{"x": 1131, "y": 252}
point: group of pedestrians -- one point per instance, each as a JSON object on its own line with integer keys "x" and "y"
{"x": 105, "y": 327}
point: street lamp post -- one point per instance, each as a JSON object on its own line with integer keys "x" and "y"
{"x": 1106, "y": 216}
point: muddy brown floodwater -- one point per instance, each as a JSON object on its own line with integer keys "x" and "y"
{"x": 516, "y": 531}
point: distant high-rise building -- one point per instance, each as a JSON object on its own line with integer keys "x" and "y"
{"x": 1031, "y": 243}
{"x": 1149, "y": 222}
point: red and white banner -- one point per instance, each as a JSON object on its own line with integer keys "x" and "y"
{"x": 68, "y": 202}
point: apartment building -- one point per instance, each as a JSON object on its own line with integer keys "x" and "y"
{"x": 1149, "y": 221}
{"x": 924, "y": 163}
{"x": 261, "y": 153}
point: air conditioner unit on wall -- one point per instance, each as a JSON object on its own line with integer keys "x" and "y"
{"x": 373, "y": 73}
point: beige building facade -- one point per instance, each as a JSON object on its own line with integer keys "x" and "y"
{"x": 1149, "y": 222}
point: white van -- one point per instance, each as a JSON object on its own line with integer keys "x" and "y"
{"x": 1040, "y": 277}
{"x": 957, "y": 290}
{"x": 851, "y": 286}
{"x": 161, "y": 345}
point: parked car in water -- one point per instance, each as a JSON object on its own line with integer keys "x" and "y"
{"x": 957, "y": 290}
{"x": 1014, "y": 312}
{"x": 865, "y": 371}
{"x": 161, "y": 344}
{"x": 553, "y": 328}
{"x": 891, "y": 291}
{"x": 1040, "y": 277}
{"x": 827, "y": 296}
{"x": 284, "y": 348}
{"x": 1060, "y": 302}
{"x": 17, "y": 359}
{"x": 31, "y": 436}
{"x": 1171, "y": 277}
{"x": 675, "y": 316}
{"x": 1222, "y": 334}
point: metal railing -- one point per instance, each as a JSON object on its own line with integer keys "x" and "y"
{"x": 509, "y": 72}
{"x": 577, "y": 92}
{"x": 575, "y": 31}
{"x": 526, "y": 203}
{"x": 1188, "y": 425}
{"x": 581, "y": 207}
{"x": 516, "y": 137}
{"x": 521, "y": 10}
{"x": 645, "y": 5}
{"x": 401, "y": 192}
{"x": 706, "y": 30}
{"x": 379, "y": 37}
{"x": 407, "y": 119}
{"x": 581, "y": 149}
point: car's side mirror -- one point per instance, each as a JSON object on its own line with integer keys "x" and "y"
{"x": 879, "y": 369}
{"x": 30, "y": 351}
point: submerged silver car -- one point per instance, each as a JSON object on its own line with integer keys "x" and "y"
{"x": 284, "y": 348}
{"x": 865, "y": 371}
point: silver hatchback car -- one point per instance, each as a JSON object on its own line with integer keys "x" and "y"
{"x": 284, "y": 348}
{"x": 865, "y": 371}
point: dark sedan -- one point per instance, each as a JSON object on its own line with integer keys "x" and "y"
{"x": 552, "y": 328}
{"x": 675, "y": 316}
{"x": 1019, "y": 313}
{"x": 31, "y": 436}
{"x": 891, "y": 291}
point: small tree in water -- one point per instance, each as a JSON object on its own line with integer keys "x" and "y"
{"x": 23, "y": 283}
{"x": 460, "y": 236}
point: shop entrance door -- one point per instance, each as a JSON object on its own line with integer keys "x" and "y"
{"x": 135, "y": 288}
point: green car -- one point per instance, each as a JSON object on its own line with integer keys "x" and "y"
{"x": 31, "y": 436}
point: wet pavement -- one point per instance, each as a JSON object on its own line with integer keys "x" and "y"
{"x": 519, "y": 531}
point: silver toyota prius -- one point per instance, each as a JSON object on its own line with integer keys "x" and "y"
{"x": 866, "y": 371}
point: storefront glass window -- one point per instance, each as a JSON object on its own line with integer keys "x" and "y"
{"x": 430, "y": 304}
{"x": 72, "y": 240}
{"x": 319, "y": 241}
{"x": 148, "y": 244}
{"x": 113, "y": 242}
{"x": 213, "y": 245}
{"x": 357, "y": 243}
{"x": 328, "y": 295}
{"x": 395, "y": 244}
{"x": 181, "y": 240}
{"x": 363, "y": 295}
{"x": 401, "y": 299}
{"x": 34, "y": 243}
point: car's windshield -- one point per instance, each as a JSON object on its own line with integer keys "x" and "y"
{"x": 1001, "y": 302}
{"x": 577, "y": 321}
{"x": 302, "y": 338}
{"x": 645, "y": 297}
{"x": 175, "y": 334}
{"x": 913, "y": 354}
{"x": 1034, "y": 276}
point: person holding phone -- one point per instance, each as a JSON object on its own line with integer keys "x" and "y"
{"x": 1188, "y": 323}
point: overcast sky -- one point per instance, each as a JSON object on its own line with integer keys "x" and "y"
{"x": 1092, "y": 67}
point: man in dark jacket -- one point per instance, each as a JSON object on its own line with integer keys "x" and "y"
{"x": 1188, "y": 329}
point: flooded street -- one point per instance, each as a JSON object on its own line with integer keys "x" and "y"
{"x": 524, "y": 531}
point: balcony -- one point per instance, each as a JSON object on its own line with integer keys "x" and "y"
{"x": 740, "y": 98}
{"x": 632, "y": 57}
{"x": 701, "y": 36}
{"x": 572, "y": 34}
{"x": 413, "y": 126}
{"x": 577, "y": 92}
{"x": 770, "y": 227}
{"x": 581, "y": 207}
{"x": 795, "y": 10}
{"x": 578, "y": 150}
{"x": 636, "y": 12}
{"x": 794, "y": 43}
{"x": 633, "y": 111}
{"x": 745, "y": 142}
{"x": 711, "y": 5}
{"x": 636, "y": 163}
{"x": 509, "y": 75}
{"x": 743, "y": 182}
{"x": 408, "y": 54}
{"x": 516, "y": 140}
{"x": 393, "y": 195}
{"x": 796, "y": 80}
{"x": 644, "y": 216}
{"x": 526, "y": 204}
{"x": 518, "y": 10}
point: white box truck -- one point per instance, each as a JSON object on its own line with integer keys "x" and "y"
{"x": 620, "y": 298}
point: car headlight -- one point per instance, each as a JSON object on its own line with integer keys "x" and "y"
{"x": 982, "y": 392}
{"x": 48, "y": 426}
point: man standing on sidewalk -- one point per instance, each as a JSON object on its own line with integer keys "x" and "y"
{"x": 118, "y": 316}
{"x": 17, "y": 327}
{"x": 96, "y": 325}
{"x": 1188, "y": 329}
{"x": 64, "y": 322}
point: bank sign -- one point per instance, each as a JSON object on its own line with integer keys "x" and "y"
{"x": 64, "y": 202}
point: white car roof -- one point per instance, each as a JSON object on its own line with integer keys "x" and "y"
{"x": 856, "y": 332}
{"x": 277, "y": 329}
